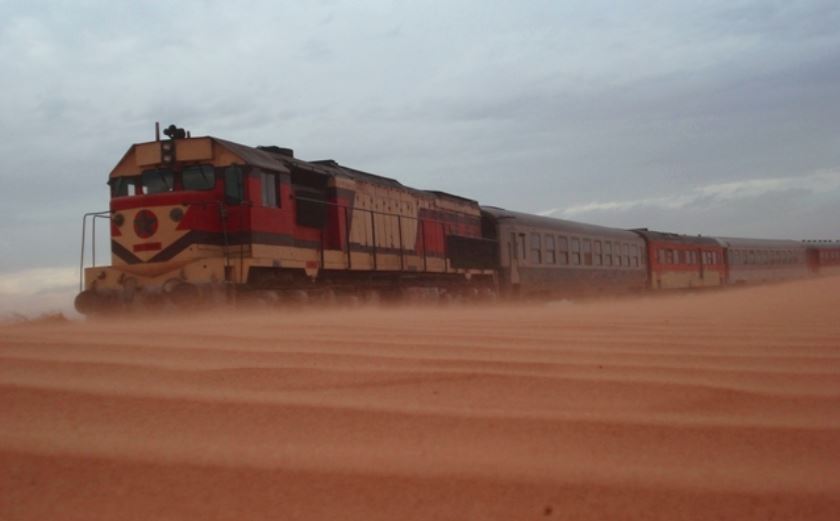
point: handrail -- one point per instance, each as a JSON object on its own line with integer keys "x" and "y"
{"x": 93, "y": 216}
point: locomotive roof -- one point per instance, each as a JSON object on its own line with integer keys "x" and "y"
{"x": 254, "y": 156}
{"x": 561, "y": 225}
{"x": 675, "y": 237}
{"x": 438, "y": 193}
{"x": 822, "y": 245}
{"x": 285, "y": 163}
{"x": 274, "y": 159}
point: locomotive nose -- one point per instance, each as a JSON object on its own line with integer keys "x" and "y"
{"x": 145, "y": 224}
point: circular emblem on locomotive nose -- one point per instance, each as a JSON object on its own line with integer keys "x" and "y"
{"x": 145, "y": 224}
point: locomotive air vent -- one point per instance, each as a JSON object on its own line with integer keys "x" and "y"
{"x": 288, "y": 152}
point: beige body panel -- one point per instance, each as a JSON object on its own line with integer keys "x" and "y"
{"x": 145, "y": 155}
{"x": 128, "y": 278}
{"x": 294, "y": 257}
{"x": 829, "y": 270}
{"x": 686, "y": 279}
{"x": 166, "y": 233}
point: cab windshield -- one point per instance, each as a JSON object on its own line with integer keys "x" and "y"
{"x": 157, "y": 181}
{"x": 198, "y": 177}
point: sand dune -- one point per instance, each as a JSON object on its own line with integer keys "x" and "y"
{"x": 717, "y": 405}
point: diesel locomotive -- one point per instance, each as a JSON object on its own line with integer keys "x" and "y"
{"x": 199, "y": 219}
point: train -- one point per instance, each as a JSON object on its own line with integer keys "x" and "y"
{"x": 195, "y": 220}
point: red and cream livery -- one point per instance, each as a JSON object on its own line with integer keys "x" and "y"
{"x": 191, "y": 215}
{"x": 683, "y": 261}
{"x": 205, "y": 217}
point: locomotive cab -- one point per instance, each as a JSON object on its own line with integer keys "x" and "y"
{"x": 179, "y": 215}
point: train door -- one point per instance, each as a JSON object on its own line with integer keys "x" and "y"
{"x": 234, "y": 219}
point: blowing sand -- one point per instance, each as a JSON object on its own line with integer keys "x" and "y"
{"x": 720, "y": 405}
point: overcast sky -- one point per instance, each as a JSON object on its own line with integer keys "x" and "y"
{"x": 716, "y": 117}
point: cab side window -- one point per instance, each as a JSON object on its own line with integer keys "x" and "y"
{"x": 268, "y": 182}
{"x": 234, "y": 185}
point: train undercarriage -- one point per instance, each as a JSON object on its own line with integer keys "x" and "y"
{"x": 210, "y": 282}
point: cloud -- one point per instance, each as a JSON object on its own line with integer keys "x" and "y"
{"x": 38, "y": 280}
{"x": 782, "y": 208}
{"x": 713, "y": 194}
{"x": 535, "y": 105}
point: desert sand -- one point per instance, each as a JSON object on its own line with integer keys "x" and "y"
{"x": 714, "y": 405}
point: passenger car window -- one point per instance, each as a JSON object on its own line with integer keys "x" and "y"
{"x": 598, "y": 257}
{"x": 575, "y": 251}
{"x": 536, "y": 248}
{"x": 607, "y": 253}
{"x": 587, "y": 252}
{"x": 550, "y": 253}
{"x": 563, "y": 246}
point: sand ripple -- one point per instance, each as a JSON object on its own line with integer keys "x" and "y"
{"x": 695, "y": 406}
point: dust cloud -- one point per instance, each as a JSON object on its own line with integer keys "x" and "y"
{"x": 722, "y": 404}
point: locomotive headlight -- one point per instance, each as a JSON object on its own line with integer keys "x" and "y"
{"x": 167, "y": 152}
{"x": 118, "y": 219}
{"x": 176, "y": 214}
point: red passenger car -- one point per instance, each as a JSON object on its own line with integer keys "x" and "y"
{"x": 823, "y": 257}
{"x": 683, "y": 261}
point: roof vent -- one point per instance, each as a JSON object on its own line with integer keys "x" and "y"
{"x": 288, "y": 152}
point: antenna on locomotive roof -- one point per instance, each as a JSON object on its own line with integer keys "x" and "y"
{"x": 157, "y": 130}
{"x": 174, "y": 132}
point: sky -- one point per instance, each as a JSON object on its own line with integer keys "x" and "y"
{"x": 716, "y": 117}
